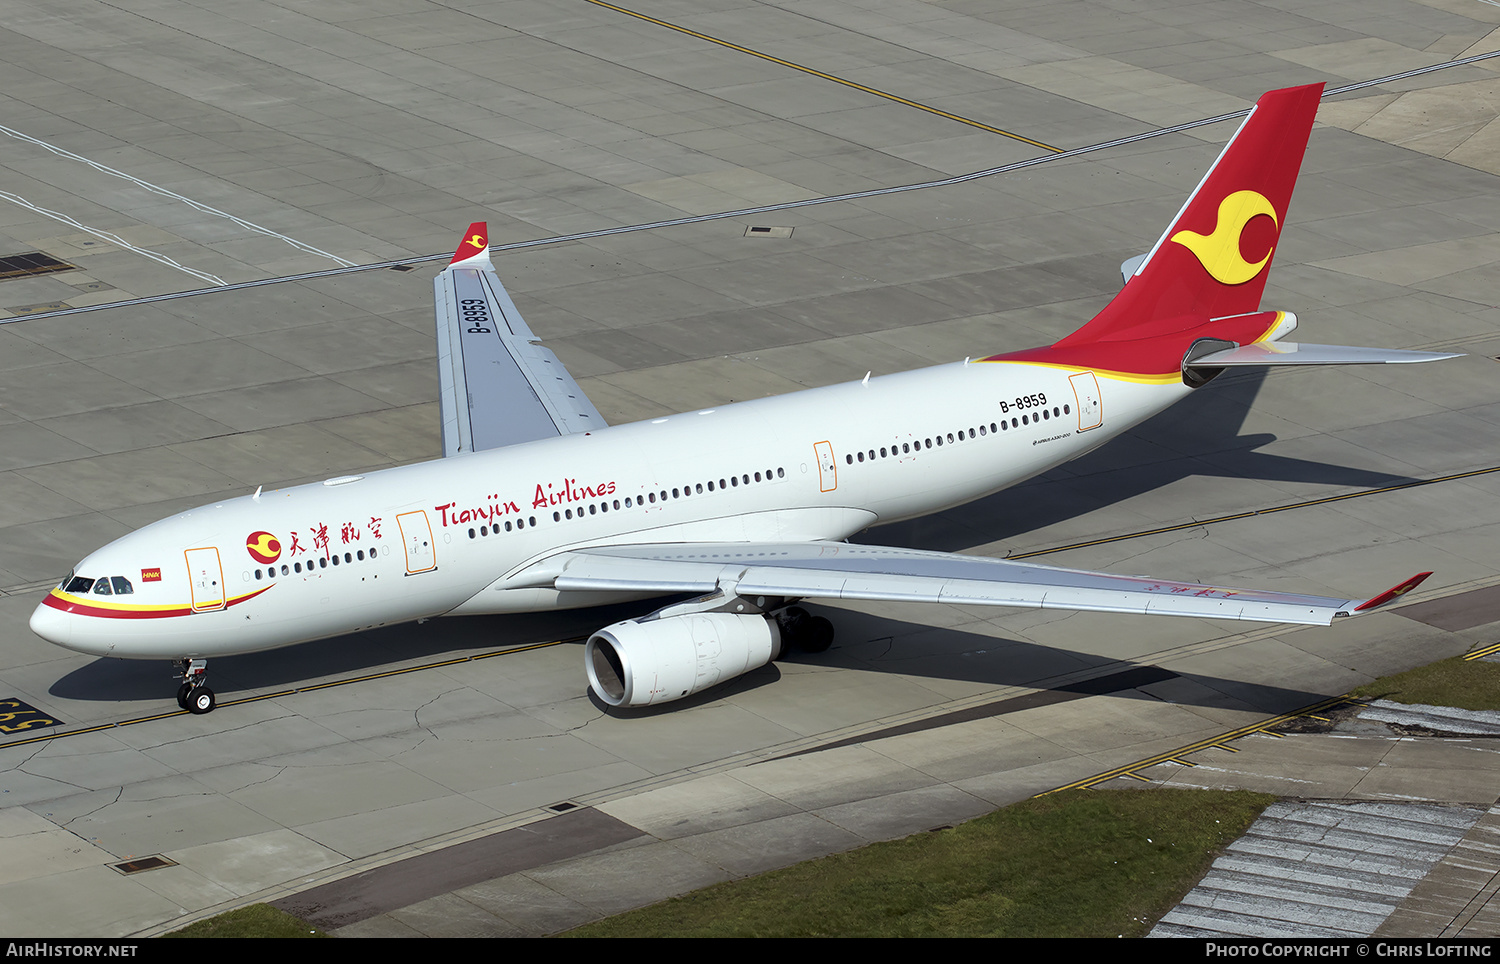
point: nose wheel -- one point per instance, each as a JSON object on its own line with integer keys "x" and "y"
{"x": 194, "y": 695}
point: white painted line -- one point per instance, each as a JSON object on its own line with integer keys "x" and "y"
{"x": 156, "y": 189}
{"x": 111, "y": 238}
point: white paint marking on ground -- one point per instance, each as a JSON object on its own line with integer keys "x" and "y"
{"x": 111, "y": 238}
{"x": 156, "y": 189}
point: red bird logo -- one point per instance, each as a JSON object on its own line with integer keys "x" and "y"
{"x": 263, "y": 547}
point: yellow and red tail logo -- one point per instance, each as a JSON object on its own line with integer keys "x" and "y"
{"x": 263, "y": 547}
{"x": 475, "y": 241}
{"x": 1222, "y": 252}
{"x": 1212, "y": 262}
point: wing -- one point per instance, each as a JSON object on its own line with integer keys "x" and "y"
{"x": 843, "y": 571}
{"x": 498, "y": 385}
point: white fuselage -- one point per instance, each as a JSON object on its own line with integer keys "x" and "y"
{"x": 473, "y": 533}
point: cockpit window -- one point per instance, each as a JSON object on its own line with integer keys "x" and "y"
{"x": 80, "y": 584}
{"x": 122, "y": 585}
{"x": 101, "y": 588}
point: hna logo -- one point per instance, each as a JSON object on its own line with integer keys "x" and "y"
{"x": 1219, "y": 252}
{"x": 263, "y": 547}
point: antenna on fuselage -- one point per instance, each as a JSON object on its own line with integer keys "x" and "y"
{"x": 256, "y": 496}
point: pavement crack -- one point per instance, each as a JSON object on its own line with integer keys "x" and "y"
{"x": 68, "y": 824}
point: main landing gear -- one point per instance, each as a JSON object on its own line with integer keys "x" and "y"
{"x": 809, "y": 633}
{"x": 194, "y": 695}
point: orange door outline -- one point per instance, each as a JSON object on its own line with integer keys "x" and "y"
{"x": 206, "y": 578}
{"x": 416, "y": 536}
{"x": 1090, "y": 401}
{"x": 828, "y": 476}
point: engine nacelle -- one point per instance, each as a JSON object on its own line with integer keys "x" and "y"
{"x": 640, "y": 663}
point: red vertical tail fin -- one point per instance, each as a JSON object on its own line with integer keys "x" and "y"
{"x": 1213, "y": 260}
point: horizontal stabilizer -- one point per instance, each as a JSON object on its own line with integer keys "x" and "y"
{"x": 1267, "y": 353}
{"x": 496, "y": 384}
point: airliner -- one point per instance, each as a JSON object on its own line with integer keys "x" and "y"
{"x": 746, "y": 508}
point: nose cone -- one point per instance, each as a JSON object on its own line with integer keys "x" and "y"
{"x": 56, "y": 626}
{"x": 50, "y": 624}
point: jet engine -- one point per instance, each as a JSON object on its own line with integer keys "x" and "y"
{"x": 638, "y": 663}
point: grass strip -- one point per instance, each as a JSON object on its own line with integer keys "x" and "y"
{"x": 1086, "y": 863}
{"x": 257, "y": 920}
{"x": 1466, "y": 684}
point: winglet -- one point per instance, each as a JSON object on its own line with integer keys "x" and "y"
{"x": 475, "y": 247}
{"x": 1394, "y": 593}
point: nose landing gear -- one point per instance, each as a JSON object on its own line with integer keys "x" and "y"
{"x": 194, "y": 695}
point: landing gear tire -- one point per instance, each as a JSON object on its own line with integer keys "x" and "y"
{"x": 194, "y": 695}
{"x": 818, "y": 636}
{"x": 201, "y": 701}
{"x": 806, "y": 632}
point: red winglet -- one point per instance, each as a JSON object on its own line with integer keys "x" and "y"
{"x": 475, "y": 243}
{"x": 1390, "y": 594}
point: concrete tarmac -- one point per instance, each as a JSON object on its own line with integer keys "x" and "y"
{"x": 166, "y": 150}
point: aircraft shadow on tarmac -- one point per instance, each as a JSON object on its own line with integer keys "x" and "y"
{"x": 865, "y": 642}
{"x": 1199, "y": 436}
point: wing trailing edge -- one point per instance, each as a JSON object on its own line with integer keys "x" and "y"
{"x": 843, "y": 571}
